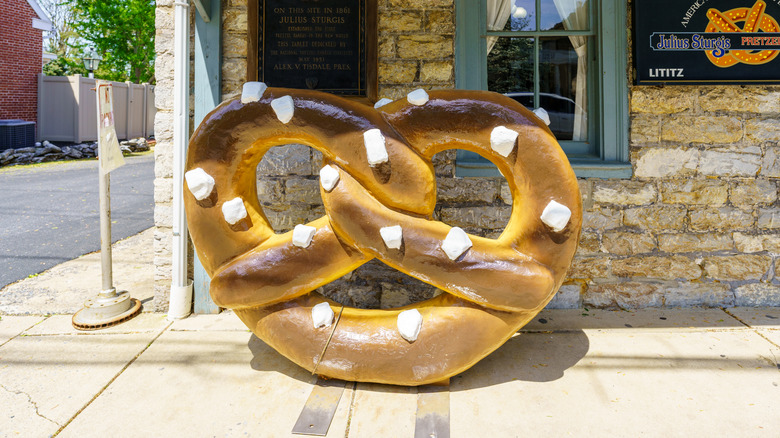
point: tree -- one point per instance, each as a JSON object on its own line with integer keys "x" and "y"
{"x": 62, "y": 66}
{"x": 122, "y": 31}
{"x": 62, "y": 40}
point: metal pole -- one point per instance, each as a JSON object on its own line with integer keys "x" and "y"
{"x": 109, "y": 307}
{"x": 180, "y": 136}
{"x": 180, "y": 301}
{"x": 108, "y": 289}
{"x": 104, "y": 189}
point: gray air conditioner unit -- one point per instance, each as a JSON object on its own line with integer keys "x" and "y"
{"x": 16, "y": 134}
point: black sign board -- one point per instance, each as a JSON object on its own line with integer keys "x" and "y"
{"x": 317, "y": 44}
{"x": 707, "y": 41}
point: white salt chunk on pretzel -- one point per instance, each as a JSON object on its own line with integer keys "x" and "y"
{"x": 556, "y": 216}
{"x": 409, "y": 324}
{"x": 382, "y": 102}
{"x": 302, "y": 235}
{"x": 252, "y": 91}
{"x": 322, "y": 315}
{"x": 284, "y": 108}
{"x": 234, "y": 211}
{"x": 456, "y": 243}
{"x": 417, "y": 97}
{"x": 329, "y": 176}
{"x": 542, "y": 114}
{"x": 200, "y": 183}
{"x": 393, "y": 236}
{"x": 376, "y": 152}
{"x": 502, "y": 140}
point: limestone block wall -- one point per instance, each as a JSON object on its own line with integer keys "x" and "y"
{"x": 697, "y": 224}
{"x": 163, "y": 154}
{"x": 416, "y": 46}
{"x": 235, "y": 46}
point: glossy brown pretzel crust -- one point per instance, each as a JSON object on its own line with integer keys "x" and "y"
{"x": 491, "y": 291}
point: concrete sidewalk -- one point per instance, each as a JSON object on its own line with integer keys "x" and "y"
{"x": 663, "y": 373}
{"x": 64, "y": 288}
{"x": 652, "y": 373}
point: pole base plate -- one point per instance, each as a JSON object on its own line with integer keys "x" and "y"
{"x": 84, "y": 320}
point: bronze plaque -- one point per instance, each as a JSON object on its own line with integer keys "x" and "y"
{"x": 317, "y": 44}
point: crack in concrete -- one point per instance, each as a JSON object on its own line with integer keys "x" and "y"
{"x": 351, "y": 408}
{"x": 22, "y": 333}
{"x": 116, "y": 376}
{"x": 31, "y": 402}
{"x": 776, "y": 363}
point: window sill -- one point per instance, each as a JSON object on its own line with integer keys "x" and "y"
{"x": 582, "y": 168}
{"x": 602, "y": 169}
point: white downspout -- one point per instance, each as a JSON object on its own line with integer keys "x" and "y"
{"x": 180, "y": 303}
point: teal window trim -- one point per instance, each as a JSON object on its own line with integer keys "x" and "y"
{"x": 470, "y": 46}
{"x": 612, "y": 156}
{"x": 207, "y": 95}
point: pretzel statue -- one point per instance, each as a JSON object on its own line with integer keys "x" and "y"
{"x": 379, "y": 192}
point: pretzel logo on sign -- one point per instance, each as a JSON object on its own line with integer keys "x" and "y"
{"x": 379, "y": 193}
{"x": 754, "y": 20}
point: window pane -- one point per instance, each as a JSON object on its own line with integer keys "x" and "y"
{"x": 523, "y": 16}
{"x": 511, "y": 15}
{"x": 562, "y": 79}
{"x": 564, "y": 15}
{"x": 510, "y": 67}
{"x": 563, "y": 86}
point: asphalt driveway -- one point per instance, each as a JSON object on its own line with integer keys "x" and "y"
{"x": 49, "y": 213}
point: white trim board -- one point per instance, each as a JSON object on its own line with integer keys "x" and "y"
{"x": 43, "y": 22}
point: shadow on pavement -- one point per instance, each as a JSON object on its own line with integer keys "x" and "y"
{"x": 529, "y": 357}
{"x": 533, "y": 357}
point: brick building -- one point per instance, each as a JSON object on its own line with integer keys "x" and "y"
{"x": 21, "y": 55}
{"x": 679, "y": 183}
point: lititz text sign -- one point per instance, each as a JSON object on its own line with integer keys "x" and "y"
{"x": 707, "y": 41}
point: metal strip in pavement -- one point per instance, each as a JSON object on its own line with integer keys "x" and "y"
{"x": 320, "y": 408}
{"x": 433, "y": 411}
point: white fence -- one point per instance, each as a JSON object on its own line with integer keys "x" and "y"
{"x": 67, "y": 109}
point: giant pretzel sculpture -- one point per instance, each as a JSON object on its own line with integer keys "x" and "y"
{"x": 491, "y": 289}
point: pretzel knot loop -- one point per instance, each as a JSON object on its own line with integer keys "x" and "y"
{"x": 753, "y": 19}
{"x": 378, "y": 189}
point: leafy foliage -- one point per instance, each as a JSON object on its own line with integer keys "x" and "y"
{"x": 62, "y": 40}
{"x": 62, "y": 66}
{"x": 122, "y": 31}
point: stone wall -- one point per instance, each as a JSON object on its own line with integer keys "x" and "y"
{"x": 697, "y": 224}
{"x": 235, "y": 46}
{"x": 163, "y": 154}
{"x": 416, "y": 46}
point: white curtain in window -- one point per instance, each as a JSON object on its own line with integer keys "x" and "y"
{"x": 575, "y": 17}
{"x": 498, "y": 12}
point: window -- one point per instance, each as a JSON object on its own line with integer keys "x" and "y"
{"x": 565, "y": 56}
